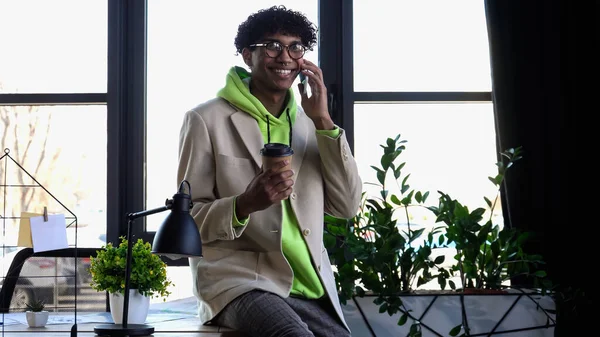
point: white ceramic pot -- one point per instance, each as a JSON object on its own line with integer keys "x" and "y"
{"x": 138, "y": 307}
{"x": 36, "y": 319}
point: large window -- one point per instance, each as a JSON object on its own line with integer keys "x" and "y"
{"x": 426, "y": 46}
{"x": 53, "y": 46}
{"x": 108, "y": 132}
{"x": 105, "y": 135}
{"x": 450, "y": 147}
{"x": 70, "y": 162}
{"x": 425, "y": 75}
{"x": 427, "y": 63}
{"x": 53, "y": 134}
{"x": 421, "y": 69}
{"x": 53, "y": 116}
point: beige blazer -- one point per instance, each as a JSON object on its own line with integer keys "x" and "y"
{"x": 219, "y": 155}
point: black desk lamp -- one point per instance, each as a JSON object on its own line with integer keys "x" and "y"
{"x": 177, "y": 237}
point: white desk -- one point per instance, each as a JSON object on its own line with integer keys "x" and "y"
{"x": 165, "y": 323}
{"x": 185, "y": 327}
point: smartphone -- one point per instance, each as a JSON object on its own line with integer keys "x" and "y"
{"x": 303, "y": 81}
{"x": 302, "y": 77}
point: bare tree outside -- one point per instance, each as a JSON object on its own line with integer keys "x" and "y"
{"x": 26, "y": 133}
{"x": 22, "y": 149}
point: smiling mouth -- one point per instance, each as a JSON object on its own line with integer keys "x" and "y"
{"x": 283, "y": 72}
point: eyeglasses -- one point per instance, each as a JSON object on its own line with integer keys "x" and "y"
{"x": 273, "y": 49}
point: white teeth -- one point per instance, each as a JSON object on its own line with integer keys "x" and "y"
{"x": 283, "y": 71}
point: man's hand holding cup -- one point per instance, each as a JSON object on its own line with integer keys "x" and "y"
{"x": 273, "y": 184}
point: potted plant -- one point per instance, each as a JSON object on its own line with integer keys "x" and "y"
{"x": 148, "y": 278}
{"x": 381, "y": 253}
{"x": 489, "y": 256}
{"x": 386, "y": 269}
{"x": 36, "y": 316}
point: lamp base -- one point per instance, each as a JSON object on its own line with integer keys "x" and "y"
{"x": 120, "y": 330}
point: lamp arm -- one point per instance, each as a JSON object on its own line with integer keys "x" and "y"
{"x": 127, "y": 271}
{"x": 168, "y": 205}
{"x": 131, "y": 217}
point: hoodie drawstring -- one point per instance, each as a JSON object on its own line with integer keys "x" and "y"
{"x": 268, "y": 131}
{"x": 287, "y": 113}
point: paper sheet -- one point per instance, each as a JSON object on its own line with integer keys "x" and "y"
{"x": 24, "y": 238}
{"x": 49, "y": 235}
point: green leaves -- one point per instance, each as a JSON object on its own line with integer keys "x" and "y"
{"x": 486, "y": 254}
{"x": 148, "y": 271}
{"x": 382, "y": 252}
{"x": 378, "y": 250}
{"x": 415, "y": 330}
{"x": 36, "y": 305}
{"x": 456, "y": 330}
{"x": 403, "y": 319}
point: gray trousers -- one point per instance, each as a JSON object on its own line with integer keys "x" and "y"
{"x": 262, "y": 314}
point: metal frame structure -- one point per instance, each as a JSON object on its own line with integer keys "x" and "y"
{"x": 424, "y": 325}
{"x": 15, "y": 268}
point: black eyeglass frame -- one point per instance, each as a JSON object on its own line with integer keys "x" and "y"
{"x": 283, "y": 46}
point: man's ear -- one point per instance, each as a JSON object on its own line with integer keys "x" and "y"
{"x": 247, "y": 56}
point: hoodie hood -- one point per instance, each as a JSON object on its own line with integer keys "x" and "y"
{"x": 237, "y": 92}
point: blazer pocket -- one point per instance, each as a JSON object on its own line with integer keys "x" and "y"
{"x": 234, "y": 161}
{"x": 233, "y": 174}
{"x": 223, "y": 269}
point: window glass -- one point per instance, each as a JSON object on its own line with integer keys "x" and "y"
{"x": 53, "y": 46}
{"x": 61, "y": 151}
{"x": 450, "y": 148}
{"x": 180, "y": 290}
{"x": 189, "y": 55}
{"x": 430, "y": 45}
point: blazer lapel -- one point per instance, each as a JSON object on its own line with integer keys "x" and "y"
{"x": 299, "y": 140}
{"x": 247, "y": 127}
{"x": 249, "y": 133}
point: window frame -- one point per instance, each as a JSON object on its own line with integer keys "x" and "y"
{"x": 125, "y": 32}
{"x": 126, "y": 108}
{"x": 126, "y": 100}
{"x": 51, "y": 99}
{"x": 339, "y": 76}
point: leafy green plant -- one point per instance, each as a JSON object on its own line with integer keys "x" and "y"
{"x": 487, "y": 255}
{"x": 148, "y": 271}
{"x": 339, "y": 240}
{"x": 36, "y": 305}
{"x": 371, "y": 251}
{"x": 372, "y": 254}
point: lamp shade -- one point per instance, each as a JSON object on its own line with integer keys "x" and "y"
{"x": 178, "y": 236}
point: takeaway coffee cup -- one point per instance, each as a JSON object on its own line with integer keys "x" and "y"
{"x": 275, "y": 152}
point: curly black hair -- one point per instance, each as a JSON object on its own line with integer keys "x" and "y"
{"x": 277, "y": 19}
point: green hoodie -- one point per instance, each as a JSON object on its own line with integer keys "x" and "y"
{"x": 306, "y": 281}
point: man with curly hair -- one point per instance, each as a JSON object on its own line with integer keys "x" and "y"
{"x": 265, "y": 271}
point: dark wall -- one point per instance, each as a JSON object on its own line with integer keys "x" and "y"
{"x": 545, "y": 83}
